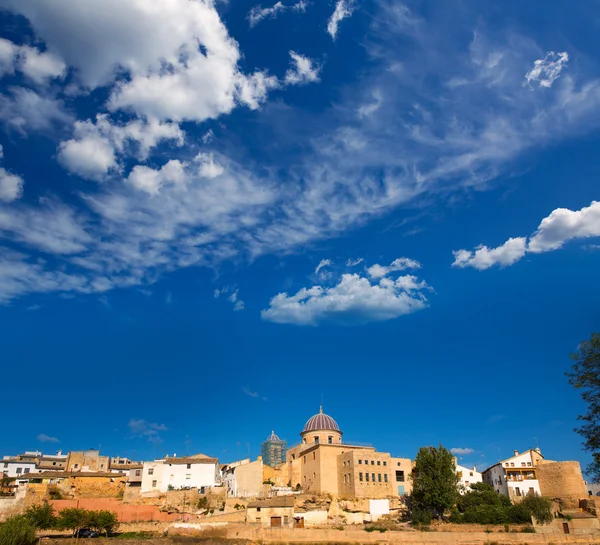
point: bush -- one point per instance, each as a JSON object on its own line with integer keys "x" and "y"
{"x": 375, "y": 528}
{"x": 102, "y": 521}
{"x": 73, "y": 519}
{"x": 421, "y": 517}
{"x": 539, "y": 508}
{"x": 17, "y": 531}
{"x": 528, "y": 530}
{"x": 519, "y": 514}
{"x": 41, "y": 516}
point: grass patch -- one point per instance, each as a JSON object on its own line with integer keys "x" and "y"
{"x": 135, "y": 535}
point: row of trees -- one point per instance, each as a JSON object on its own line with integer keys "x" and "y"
{"x": 435, "y": 493}
{"x": 21, "y": 529}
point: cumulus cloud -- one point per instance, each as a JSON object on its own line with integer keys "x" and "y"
{"x": 37, "y": 66}
{"x": 343, "y": 9}
{"x": 144, "y": 429}
{"x": 92, "y": 153}
{"x": 258, "y": 13}
{"x": 353, "y": 300}
{"x": 483, "y": 257}
{"x": 43, "y": 438}
{"x": 461, "y": 451}
{"x": 303, "y": 71}
{"x": 547, "y": 70}
{"x": 561, "y": 226}
{"x": 400, "y": 264}
{"x": 11, "y": 185}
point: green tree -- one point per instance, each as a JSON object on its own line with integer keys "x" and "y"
{"x": 41, "y": 516}
{"x": 434, "y": 483}
{"x": 72, "y": 519}
{"x": 539, "y": 508}
{"x": 585, "y": 376}
{"x": 103, "y": 521}
{"x": 17, "y": 530}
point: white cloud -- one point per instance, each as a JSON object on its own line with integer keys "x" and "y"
{"x": 11, "y": 185}
{"x": 144, "y": 429}
{"x": 238, "y": 304}
{"x": 37, "y": 66}
{"x": 208, "y": 167}
{"x": 150, "y": 180}
{"x": 462, "y": 451}
{"x": 92, "y": 153}
{"x": 303, "y": 71}
{"x": 371, "y": 107}
{"x": 353, "y": 300}
{"x": 43, "y": 438}
{"x": 322, "y": 264}
{"x": 353, "y": 262}
{"x": 343, "y": 9}
{"x": 561, "y": 226}
{"x": 258, "y": 13}
{"x": 547, "y": 70}
{"x": 24, "y": 110}
{"x": 400, "y": 264}
{"x": 483, "y": 257}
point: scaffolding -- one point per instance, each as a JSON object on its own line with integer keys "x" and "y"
{"x": 273, "y": 450}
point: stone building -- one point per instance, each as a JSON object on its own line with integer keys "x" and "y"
{"x": 244, "y": 478}
{"x": 274, "y": 513}
{"x": 273, "y": 450}
{"x": 87, "y": 461}
{"x": 323, "y": 463}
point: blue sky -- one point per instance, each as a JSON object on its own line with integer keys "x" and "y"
{"x": 214, "y": 214}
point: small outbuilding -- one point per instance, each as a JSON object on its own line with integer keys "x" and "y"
{"x": 275, "y": 512}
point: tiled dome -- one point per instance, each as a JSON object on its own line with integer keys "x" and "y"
{"x": 321, "y": 422}
{"x": 273, "y": 437}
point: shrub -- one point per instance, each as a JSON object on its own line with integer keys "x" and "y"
{"x": 375, "y": 528}
{"x": 41, "y": 516}
{"x": 421, "y": 517}
{"x": 72, "y": 519}
{"x": 102, "y": 521}
{"x": 539, "y": 508}
{"x": 17, "y": 530}
{"x": 528, "y": 530}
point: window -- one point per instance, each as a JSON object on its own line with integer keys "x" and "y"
{"x": 360, "y": 463}
{"x": 293, "y": 456}
{"x": 286, "y": 520}
{"x": 101, "y": 466}
{"x": 523, "y": 464}
{"x": 314, "y": 477}
{"x": 373, "y": 476}
{"x": 153, "y": 484}
{"x": 75, "y": 466}
{"x": 314, "y": 455}
{"x": 360, "y": 477}
{"x": 518, "y": 491}
{"x": 330, "y": 440}
{"x": 137, "y": 472}
{"x": 19, "y": 470}
{"x": 304, "y": 459}
{"x": 189, "y": 466}
{"x": 258, "y": 509}
{"x": 528, "y": 464}
{"x": 26, "y": 470}
{"x": 379, "y": 477}
{"x": 5, "y": 464}
{"x": 398, "y": 464}
{"x": 316, "y": 440}
{"x": 385, "y": 463}
{"x": 304, "y": 440}
{"x": 53, "y": 463}
{"x": 466, "y": 483}
{"x": 372, "y": 462}
{"x": 378, "y": 462}
{"x": 385, "y": 479}
{"x": 512, "y": 464}
{"x": 151, "y": 471}
{"x": 531, "y": 490}
{"x": 367, "y": 477}
{"x": 399, "y": 476}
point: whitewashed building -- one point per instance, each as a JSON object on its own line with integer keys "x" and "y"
{"x": 467, "y": 477}
{"x": 13, "y": 466}
{"x": 174, "y": 473}
{"x": 516, "y": 477}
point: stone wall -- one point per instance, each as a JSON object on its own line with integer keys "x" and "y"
{"x": 562, "y": 480}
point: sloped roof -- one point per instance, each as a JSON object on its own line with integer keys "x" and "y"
{"x": 278, "y": 501}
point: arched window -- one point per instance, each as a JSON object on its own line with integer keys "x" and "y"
{"x": 330, "y": 439}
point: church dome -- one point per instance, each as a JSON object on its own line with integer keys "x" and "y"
{"x": 321, "y": 422}
{"x": 273, "y": 437}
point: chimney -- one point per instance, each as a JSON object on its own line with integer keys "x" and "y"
{"x": 516, "y": 452}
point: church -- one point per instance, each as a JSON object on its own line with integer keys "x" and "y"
{"x": 324, "y": 464}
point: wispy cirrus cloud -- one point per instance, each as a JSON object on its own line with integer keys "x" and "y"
{"x": 460, "y": 451}
{"x": 343, "y": 9}
{"x": 251, "y": 393}
{"x": 258, "y": 13}
{"x": 43, "y": 438}
{"x": 143, "y": 429}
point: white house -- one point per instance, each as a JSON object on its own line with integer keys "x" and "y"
{"x": 516, "y": 477}
{"x": 467, "y": 477}
{"x": 14, "y": 467}
{"x": 174, "y": 473}
{"x": 228, "y": 476}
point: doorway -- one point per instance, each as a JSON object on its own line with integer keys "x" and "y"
{"x": 275, "y": 522}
